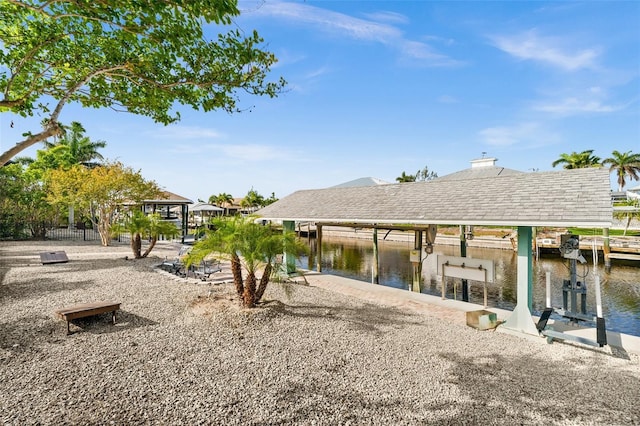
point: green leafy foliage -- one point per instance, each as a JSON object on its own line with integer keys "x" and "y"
{"x": 251, "y": 247}
{"x": 577, "y": 160}
{"x": 99, "y": 192}
{"x": 142, "y": 57}
{"x": 142, "y": 226}
{"x": 624, "y": 164}
{"x": 24, "y": 210}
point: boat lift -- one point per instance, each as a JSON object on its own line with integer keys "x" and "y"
{"x": 574, "y": 299}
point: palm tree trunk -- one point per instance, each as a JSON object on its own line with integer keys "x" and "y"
{"x": 264, "y": 280}
{"x": 136, "y": 245}
{"x": 236, "y": 269}
{"x": 249, "y": 295}
{"x": 152, "y": 244}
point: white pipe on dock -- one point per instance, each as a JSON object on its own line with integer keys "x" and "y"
{"x": 548, "y": 278}
{"x": 598, "y": 297}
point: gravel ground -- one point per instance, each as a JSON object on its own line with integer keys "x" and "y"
{"x": 183, "y": 352}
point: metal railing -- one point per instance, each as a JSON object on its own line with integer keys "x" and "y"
{"x": 74, "y": 234}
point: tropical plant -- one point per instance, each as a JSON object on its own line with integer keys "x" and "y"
{"x": 223, "y": 200}
{"x": 625, "y": 165}
{"x": 578, "y": 160}
{"x": 404, "y": 177}
{"x": 24, "y": 210}
{"x": 140, "y": 226}
{"x": 425, "y": 174}
{"x": 100, "y": 192}
{"x": 71, "y": 149}
{"x": 253, "y": 200}
{"x": 79, "y": 148}
{"x": 141, "y": 57}
{"x": 631, "y": 210}
{"x": 272, "y": 199}
{"x": 251, "y": 247}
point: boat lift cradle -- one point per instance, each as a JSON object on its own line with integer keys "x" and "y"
{"x": 572, "y": 290}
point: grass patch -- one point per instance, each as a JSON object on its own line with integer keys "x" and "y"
{"x": 589, "y": 232}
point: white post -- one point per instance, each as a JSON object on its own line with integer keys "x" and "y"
{"x": 548, "y": 278}
{"x": 598, "y": 297}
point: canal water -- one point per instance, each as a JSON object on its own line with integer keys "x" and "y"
{"x": 620, "y": 288}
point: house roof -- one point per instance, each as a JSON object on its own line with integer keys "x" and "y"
{"x": 170, "y": 198}
{"x": 205, "y": 207}
{"x": 481, "y": 168}
{"x": 579, "y": 197}
{"x": 364, "y": 181}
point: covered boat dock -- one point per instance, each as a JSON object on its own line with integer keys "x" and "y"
{"x": 566, "y": 198}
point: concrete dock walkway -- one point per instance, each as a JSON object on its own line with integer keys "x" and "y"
{"x": 454, "y": 311}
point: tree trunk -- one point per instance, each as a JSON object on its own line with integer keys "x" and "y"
{"x": 626, "y": 226}
{"x": 136, "y": 245}
{"x": 152, "y": 244}
{"x": 236, "y": 269}
{"x": 249, "y": 295}
{"x": 104, "y": 229}
{"x": 264, "y": 280}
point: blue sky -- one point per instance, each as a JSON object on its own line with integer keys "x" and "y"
{"x": 376, "y": 88}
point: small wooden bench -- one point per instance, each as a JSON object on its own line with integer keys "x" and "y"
{"x": 53, "y": 257}
{"x": 86, "y": 310}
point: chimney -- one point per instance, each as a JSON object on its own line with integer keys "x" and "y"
{"x": 483, "y": 162}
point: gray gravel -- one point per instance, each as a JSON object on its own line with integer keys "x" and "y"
{"x": 182, "y": 352}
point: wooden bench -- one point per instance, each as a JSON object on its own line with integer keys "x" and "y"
{"x": 86, "y": 310}
{"x": 53, "y": 257}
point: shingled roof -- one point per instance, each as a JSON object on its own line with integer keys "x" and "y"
{"x": 579, "y": 197}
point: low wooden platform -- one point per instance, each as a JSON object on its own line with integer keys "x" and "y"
{"x": 83, "y": 310}
{"x": 623, "y": 256}
{"x": 53, "y": 257}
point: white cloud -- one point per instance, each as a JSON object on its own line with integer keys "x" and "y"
{"x": 572, "y": 106}
{"x": 529, "y": 134}
{"x": 575, "y": 101}
{"x": 530, "y": 46}
{"x": 178, "y": 132}
{"x": 341, "y": 25}
{"x": 390, "y": 17}
{"x": 317, "y": 72}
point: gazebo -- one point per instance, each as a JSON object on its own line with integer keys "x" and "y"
{"x": 171, "y": 207}
{"x": 205, "y": 210}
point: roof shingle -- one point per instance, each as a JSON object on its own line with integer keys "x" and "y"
{"x": 579, "y": 197}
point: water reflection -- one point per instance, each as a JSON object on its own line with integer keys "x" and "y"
{"x": 620, "y": 288}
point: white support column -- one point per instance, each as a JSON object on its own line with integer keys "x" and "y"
{"x": 521, "y": 320}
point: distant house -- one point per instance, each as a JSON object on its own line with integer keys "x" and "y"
{"x": 480, "y": 168}
{"x": 633, "y": 193}
{"x": 364, "y": 181}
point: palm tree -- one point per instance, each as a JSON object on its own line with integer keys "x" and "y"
{"x": 252, "y": 201}
{"x": 404, "y": 177}
{"x": 223, "y": 200}
{"x": 80, "y": 149}
{"x": 249, "y": 246}
{"x": 140, "y": 226}
{"x": 578, "y": 160}
{"x": 631, "y": 211}
{"x": 624, "y": 164}
{"x": 74, "y": 148}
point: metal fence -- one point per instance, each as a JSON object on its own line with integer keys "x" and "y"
{"x": 74, "y": 234}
